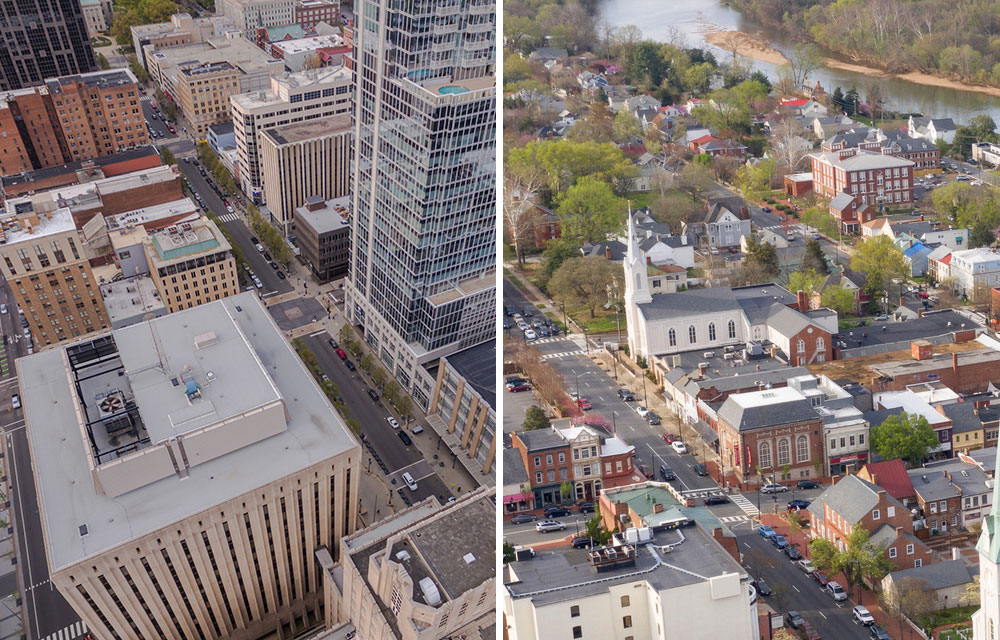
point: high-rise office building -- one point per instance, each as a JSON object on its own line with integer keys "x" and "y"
{"x": 40, "y": 40}
{"x": 188, "y": 468}
{"x": 422, "y": 277}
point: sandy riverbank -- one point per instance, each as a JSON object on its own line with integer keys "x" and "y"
{"x": 746, "y": 45}
{"x": 756, "y": 48}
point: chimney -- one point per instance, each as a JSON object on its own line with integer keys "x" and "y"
{"x": 802, "y": 300}
{"x": 956, "y": 553}
{"x": 649, "y": 260}
{"x": 657, "y": 507}
{"x": 899, "y": 532}
{"x": 607, "y": 252}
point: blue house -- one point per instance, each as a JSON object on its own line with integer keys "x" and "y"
{"x": 916, "y": 257}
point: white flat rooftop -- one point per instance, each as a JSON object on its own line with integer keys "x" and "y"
{"x": 61, "y": 221}
{"x": 66, "y": 494}
{"x": 767, "y": 397}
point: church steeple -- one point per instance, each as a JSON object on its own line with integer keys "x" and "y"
{"x": 986, "y": 621}
{"x": 989, "y": 541}
{"x": 636, "y": 280}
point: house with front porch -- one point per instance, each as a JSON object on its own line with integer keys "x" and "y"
{"x": 849, "y": 213}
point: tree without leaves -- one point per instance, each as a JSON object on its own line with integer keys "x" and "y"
{"x": 590, "y": 210}
{"x": 695, "y": 180}
{"x": 803, "y": 61}
{"x": 520, "y": 193}
{"x": 910, "y": 598}
{"x": 584, "y": 281}
{"x": 535, "y": 418}
{"x": 788, "y": 145}
{"x": 906, "y": 436}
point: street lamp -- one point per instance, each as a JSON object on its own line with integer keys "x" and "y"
{"x": 585, "y": 340}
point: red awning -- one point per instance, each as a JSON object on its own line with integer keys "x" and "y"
{"x": 517, "y": 497}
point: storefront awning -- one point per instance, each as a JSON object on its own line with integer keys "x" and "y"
{"x": 707, "y": 433}
{"x": 517, "y": 497}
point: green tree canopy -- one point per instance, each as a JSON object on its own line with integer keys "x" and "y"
{"x": 981, "y": 235}
{"x": 626, "y": 126}
{"x": 566, "y": 161}
{"x": 839, "y": 298}
{"x": 555, "y": 253}
{"x": 584, "y": 282}
{"x": 762, "y": 257}
{"x": 906, "y": 436}
{"x": 881, "y": 261}
{"x": 590, "y": 210}
{"x": 754, "y": 180}
{"x": 814, "y": 258}
{"x": 808, "y": 281}
{"x": 535, "y": 418}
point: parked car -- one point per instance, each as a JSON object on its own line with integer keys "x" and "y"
{"x": 584, "y": 404}
{"x": 652, "y": 418}
{"x": 809, "y": 631}
{"x": 373, "y": 395}
{"x": 581, "y": 543}
{"x": 15, "y": 401}
{"x": 522, "y": 518}
{"x": 766, "y": 209}
{"x": 806, "y": 565}
{"x": 793, "y": 553}
{"x": 862, "y": 615}
{"x": 669, "y": 438}
{"x": 679, "y": 446}
{"x": 779, "y": 541}
{"x": 519, "y": 386}
{"x": 793, "y": 619}
{"x": 549, "y": 525}
{"x": 586, "y": 507}
{"x": 773, "y": 488}
{"x": 700, "y": 469}
{"x": 876, "y": 632}
{"x": 392, "y": 422}
{"x": 666, "y": 473}
{"x": 405, "y": 438}
{"x": 795, "y": 505}
{"x": 333, "y": 344}
{"x": 626, "y": 395}
{"x": 763, "y": 588}
{"x": 836, "y": 591}
{"x": 350, "y": 365}
{"x": 710, "y": 500}
{"x": 766, "y": 531}
{"x": 342, "y": 354}
{"x": 807, "y": 484}
{"x": 556, "y": 512}
{"x": 641, "y": 468}
{"x": 529, "y": 334}
{"x": 821, "y": 578}
{"x": 642, "y": 411}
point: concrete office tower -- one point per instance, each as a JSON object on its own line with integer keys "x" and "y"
{"x": 39, "y": 40}
{"x": 70, "y": 119}
{"x": 304, "y": 159}
{"x": 248, "y": 15}
{"x": 187, "y": 468}
{"x": 425, "y": 573}
{"x": 191, "y": 263}
{"x": 203, "y": 93}
{"x": 48, "y": 272}
{"x": 293, "y": 97}
{"x": 422, "y": 282}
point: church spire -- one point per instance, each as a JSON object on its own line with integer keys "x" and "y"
{"x": 989, "y": 540}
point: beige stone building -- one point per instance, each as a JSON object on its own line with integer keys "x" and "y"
{"x": 304, "y": 159}
{"x": 45, "y": 265}
{"x": 191, "y": 263}
{"x": 180, "y": 30}
{"x": 425, "y": 573}
{"x": 187, "y": 469}
{"x": 463, "y": 408}
{"x": 203, "y": 93}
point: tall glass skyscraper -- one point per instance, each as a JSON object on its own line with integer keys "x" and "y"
{"x": 422, "y": 281}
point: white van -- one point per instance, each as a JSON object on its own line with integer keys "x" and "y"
{"x": 408, "y": 479}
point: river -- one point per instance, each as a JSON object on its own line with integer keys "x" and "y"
{"x": 660, "y": 19}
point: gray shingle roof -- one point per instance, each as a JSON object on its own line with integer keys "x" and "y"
{"x": 853, "y": 498}
{"x": 541, "y": 439}
{"x": 841, "y": 201}
{"x": 695, "y": 302}
{"x": 618, "y": 249}
{"x": 767, "y": 415}
{"x": 931, "y": 484}
{"x": 938, "y": 575}
{"x": 513, "y": 467}
{"x": 785, "y": 320}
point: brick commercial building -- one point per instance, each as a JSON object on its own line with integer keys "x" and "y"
{"x": 548, "y": 460}
{"x": 70, "y": 119}
{"x": 304, "y": 159}
{"x": 309, "y": 13}
{"x": 116, "y": 164}
{"x": 191, "y": 263}
{"x": 964, "y": 372}
{"x": 49, "y": 274}
{"x": 854, "y": 502}
{"x": 773, "y": 430}
{"x": 190, "y": 467}
{"x": 869, "y": 177}
{"x": 41, "y": 40}
{"x": 203, "y": 93}
{"x": 323, "y": 236}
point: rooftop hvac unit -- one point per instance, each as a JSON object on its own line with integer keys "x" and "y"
{"x": 403, "y": 555}
{"x": 729, "y": 356}
{"x": 631, "y": 535}
{"x": 430, "y": 592}
{"x": 708, "y": 354}
{"x": 645, "y": 534}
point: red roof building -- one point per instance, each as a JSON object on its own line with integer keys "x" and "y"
{"x": 800, "y": 102}
{"x": 890, "y": 475}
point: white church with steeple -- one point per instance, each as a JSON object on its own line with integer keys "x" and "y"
{"x": 636, "y": 287}
{"x": 986, "y": 621}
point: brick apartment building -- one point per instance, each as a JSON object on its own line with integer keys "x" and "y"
{"x": 869, "y": 177}
{"x": 853, "y": 502}
{"x": 776, "y": 430}
{"x": 963, "y": 372}
{"x": 309, "y": 13}
{"x": 70, "y": 119}
{"x": 548, "y": 460}
{"x": 116, "y": 164}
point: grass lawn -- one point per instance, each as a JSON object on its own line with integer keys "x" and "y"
{"x": 641, "y": 199}
{"x": 956, "y": 633}
{"x": 949, "y": 616}
{"x": 100, "y": 41}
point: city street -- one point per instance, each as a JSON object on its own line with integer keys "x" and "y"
{"x": 235, "y": 225}
{"x": 372, "y": 418}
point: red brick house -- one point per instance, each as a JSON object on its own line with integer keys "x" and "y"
{"x": 849, "y": 213}
{"x": 890, "y": 475}
{"x": 547, "y": 459}
{"x": 868, "y": 177}
{"x": 852, "y": 503}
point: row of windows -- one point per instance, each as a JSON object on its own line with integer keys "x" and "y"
{"x": 784, "y": 452}
{"x": 693, "y": 333}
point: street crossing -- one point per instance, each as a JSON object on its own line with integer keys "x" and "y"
{"x": 745, "y": 504}
{"x": 733, "y": 519}
{"x": 230, "y": 217}
{"x": 562, "y": 354}
{"x": 71, "y": 632}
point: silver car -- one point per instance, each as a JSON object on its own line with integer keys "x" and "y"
{"x": 549, "y": 525}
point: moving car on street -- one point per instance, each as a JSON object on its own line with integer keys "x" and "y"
{"x": 773, "y": 488}
{"x": 546, "y": 526}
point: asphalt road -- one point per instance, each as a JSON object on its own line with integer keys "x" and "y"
{"x": 372, "y": 418}
{"x": 238, "y": 230}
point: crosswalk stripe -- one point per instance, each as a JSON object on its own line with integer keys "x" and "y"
{"x": 230, "y": 217}
{"x": 729, "y": 519}
{"x": 743, "y": 503}
{"x": 70, "y": 632}
{"x": 562, "y": 354}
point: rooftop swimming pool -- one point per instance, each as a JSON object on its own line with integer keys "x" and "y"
{"x": 452, "y": 89}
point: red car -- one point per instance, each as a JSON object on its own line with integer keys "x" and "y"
{"x": 809, "y": 631}
{"x": 669, "y": 438}
{"x": 514, "y": 388}
{"x": 584, "y": 404}
{"x": 340, "y": 352}
{"x": 821, "y": 578}
{"x": 923, "y": 294}
{"x": 171, "y": 129}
